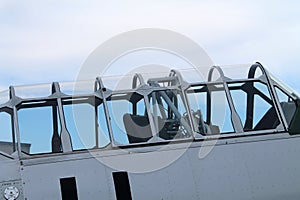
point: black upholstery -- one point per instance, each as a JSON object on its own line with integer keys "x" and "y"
{"x": 289, "y": 109}
{"x": 137, "y": 128}
{"x": 269, "y": 120}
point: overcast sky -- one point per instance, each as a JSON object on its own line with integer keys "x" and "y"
{"x": 44, "y": 41}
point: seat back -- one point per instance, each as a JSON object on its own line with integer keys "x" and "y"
{"x": 268, "y": 121}
{"x": 289, "y": 109}
{"x": 137, "y": 128}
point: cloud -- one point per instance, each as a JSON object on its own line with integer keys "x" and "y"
{"x": 44, "y": 40}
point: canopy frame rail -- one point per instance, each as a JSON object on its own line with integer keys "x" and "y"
{"x": 104, "y": 93}
{"x": 271, "y": 88}
{"x": 235, "y": 118}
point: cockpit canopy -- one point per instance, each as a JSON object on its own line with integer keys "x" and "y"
{"x": 145, "y": 110}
